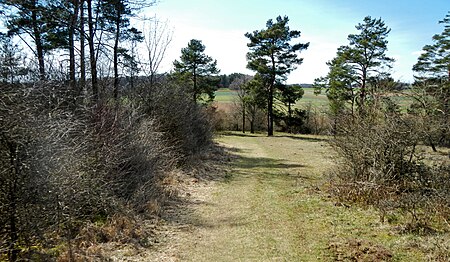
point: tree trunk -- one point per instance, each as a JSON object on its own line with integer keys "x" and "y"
{"x": 38, "y": 42}
{"x": 116, "y": 56}
{"x": 289, "y": 118}
{"x": 195, "y": 85}
{"x": 92, "y": 57}
{"x": 152, "y": 80}
{"x": 430, "y": 140}
{"x": 132, "y": 68}
{"x": 270, "y": 98}
{"x": 270, "y": 112}
{"x": 82, "y": 50}
{"x": 71, "y": 58}
{"x": 243, "y": 118}
{"x": 252, "y": 118}
{"x": 362, "y": 94}
{"x": 72, "y": 26}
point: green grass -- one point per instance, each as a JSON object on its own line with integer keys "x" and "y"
{"x": 225, "y": 95}
{"x": 316, "y": 101}
{"x": 404, "y": 102}
{"x": 275, "y": 206}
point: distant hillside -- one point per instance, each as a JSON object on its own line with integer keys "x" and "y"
{"x": 306, "y": 85}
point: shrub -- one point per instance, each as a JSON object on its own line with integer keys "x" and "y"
{"x": 184, "y": 123}
{"x": 65, "y": 165}
{"x": 380, "y": 165}
{"x": 303, "y": 121}
{"x": 47, "y": 186}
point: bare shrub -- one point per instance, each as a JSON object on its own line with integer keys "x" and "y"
{"x": 184, "y": 123}
{"x": 359, "y": 250}
{"x": 381, "y": 166}
{"x": 95, "y": 242}
{"x": 46, "y": 186}
{"x": 64, "y": 166}
{"x": 217, "y": 118}
{"x": 319, "y": 122}
{"x": 255, "y": 118}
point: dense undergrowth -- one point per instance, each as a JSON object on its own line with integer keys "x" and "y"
{"x": 384, "y": 162}
{"x": 74, "y": 173}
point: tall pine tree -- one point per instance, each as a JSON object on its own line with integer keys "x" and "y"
{"x": 364, "y": 58}
{"x": 273, "y": 56}
{"x": 198, "y": 69}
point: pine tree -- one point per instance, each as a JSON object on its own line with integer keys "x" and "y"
{"x": 10, "y": 60}
{"x": 431, "y": 91}
{"x": 364, "y": 58}
{"x": 366, "y": 53}
{"x": 340, "y": 86}
{"x": 28, "y": 17}
{"x": 198, "y": 69}
{"x": 433, "y": 66}
{"x": 273, "y": 57}
{"x": 290, "y": 94}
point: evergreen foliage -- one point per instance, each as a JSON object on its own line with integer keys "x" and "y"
{"x": 355, "y": 64}
{"x": 197, "y": 70}
{"x": 431, "y": 92}
{"x": 273, "y": 56}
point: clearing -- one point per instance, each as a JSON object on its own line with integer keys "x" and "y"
{"x": 273, "y": 206}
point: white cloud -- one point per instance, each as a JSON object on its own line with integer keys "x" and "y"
{"x": 227, "y": 47}
{"x": 417, "y": 53}
{"x": 230, "y": 49}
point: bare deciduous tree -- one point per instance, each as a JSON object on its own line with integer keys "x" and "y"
{"x": 158, "y": 36}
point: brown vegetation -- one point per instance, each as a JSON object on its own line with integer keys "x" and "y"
{"x": 76, "y": 174}
{"x": 382, "y": 164}
{"x": 359, "y": 250}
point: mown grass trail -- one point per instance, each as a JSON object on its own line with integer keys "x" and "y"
{"x": 259, "y": 202}
{"x": 268, "y": 209}
{"x": 273, "y": 206}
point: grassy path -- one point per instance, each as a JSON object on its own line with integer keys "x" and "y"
{"x": 273, "y": 207}
{"x": 263, "y": 211}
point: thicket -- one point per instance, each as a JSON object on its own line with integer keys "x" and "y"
{"x": 66, "y": 164}
{"x": 305, "y": 120}
{"x": 383, "y": 162}
{"x": 87, "y": 147}
{"x": 186, "y": 125}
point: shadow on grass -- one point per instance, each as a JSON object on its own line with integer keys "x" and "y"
{"x": 236, "y": 133}
{"x": 225, "y": 164}
{"x": 182, "y": 213}
{"x": 223, "y": 222}
{"x": 263, "y": 162}
{"x": 304, "y": 138}
{"x": 233, "y": 150}
{"x": 282, "y": 135}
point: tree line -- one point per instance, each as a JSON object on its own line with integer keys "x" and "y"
{"x": 85, "y": 33}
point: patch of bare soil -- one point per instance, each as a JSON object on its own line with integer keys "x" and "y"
{"x": 359, "y": 250}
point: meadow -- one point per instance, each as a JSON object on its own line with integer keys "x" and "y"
{"x": 225, "y": 97}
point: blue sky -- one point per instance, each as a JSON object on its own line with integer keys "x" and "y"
{"x": 221, "y": 26}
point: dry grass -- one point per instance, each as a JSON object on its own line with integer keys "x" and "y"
{"x": 271, "y": 204}
{"x": 252, "y": 215}
{"x": 274, "y": 206}
{"x": 359, "y": 250}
